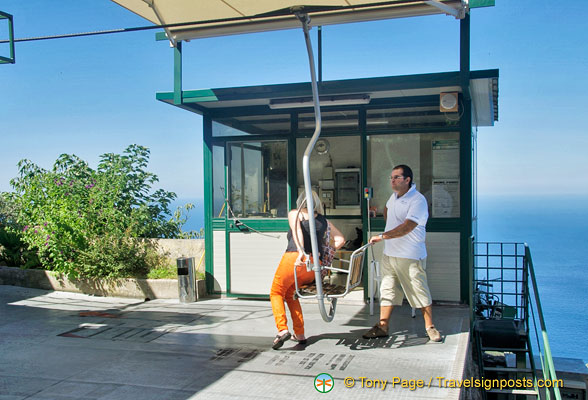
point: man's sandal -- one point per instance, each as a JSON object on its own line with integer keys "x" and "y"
{"x": 280, "y": 340}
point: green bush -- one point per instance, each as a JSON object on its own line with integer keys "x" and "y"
{"x": 13, "y": 251}
{"x": 90, "y": 223}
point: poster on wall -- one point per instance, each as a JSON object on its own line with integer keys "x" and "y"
{"x": 445, "y": 198}
{"x": 445, "y": 158}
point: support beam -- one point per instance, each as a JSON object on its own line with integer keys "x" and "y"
{"x": 466, "y": 159}
{"x": 464, "y": 56}
{"x": 178, "y": 73}
{"x": 320, "y": 53}
{"x": 208, "y": 203}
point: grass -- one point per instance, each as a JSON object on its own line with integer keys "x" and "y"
{"x": 169, "y": 271}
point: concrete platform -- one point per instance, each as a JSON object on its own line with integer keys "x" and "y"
{"x": 58, "y": 345}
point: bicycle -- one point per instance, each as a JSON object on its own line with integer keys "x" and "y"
{"x": 487, "y": 305}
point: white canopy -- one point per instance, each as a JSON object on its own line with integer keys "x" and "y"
{"x": 228, "y": 17}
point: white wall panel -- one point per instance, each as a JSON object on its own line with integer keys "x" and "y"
{"x": 443, "y": 252}
{"x": 443, "y": 266}
{"x": 219, "y": 261}
{"x": 254, "y": 260}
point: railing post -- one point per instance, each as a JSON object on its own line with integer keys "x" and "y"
{"x": 472, "y": 261}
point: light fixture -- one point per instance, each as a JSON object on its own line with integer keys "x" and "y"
{"x": 448, "y": 102}
{"x": 336, "y": 100}
{"x": 381, "y": 121}
{"x": 344, "y": 123}
{"x": 331, "y": 124}
{"x": 322, "y": 146}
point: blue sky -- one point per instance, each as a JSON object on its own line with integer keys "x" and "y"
{"x": 93, "y": 95}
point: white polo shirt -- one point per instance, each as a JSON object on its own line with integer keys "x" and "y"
{"x": 412, "y": 205}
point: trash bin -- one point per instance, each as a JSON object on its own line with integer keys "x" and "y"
{"x": 187, "y": 291}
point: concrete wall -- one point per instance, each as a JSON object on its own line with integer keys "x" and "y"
{"x": 121, "y": 287}
{"x": 135, "y": 288}
{"x": 176, "y": 248}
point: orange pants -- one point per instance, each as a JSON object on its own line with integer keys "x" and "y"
{"x": 283, "y": 289}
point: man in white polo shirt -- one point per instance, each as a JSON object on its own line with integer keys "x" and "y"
{"x": 403, "y": 262}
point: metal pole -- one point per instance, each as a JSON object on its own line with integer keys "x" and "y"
{"x": 372, "y": 271}
{"x": 320, "y": 53}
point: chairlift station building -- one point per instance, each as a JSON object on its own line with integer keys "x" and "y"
{"x": 254, "y": 138}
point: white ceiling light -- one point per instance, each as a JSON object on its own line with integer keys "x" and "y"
{"x": 297, "y": 102}
{"x": 331, "y": 124}
{"x": 448, "y": 102}
{"x": 344, "y": 123}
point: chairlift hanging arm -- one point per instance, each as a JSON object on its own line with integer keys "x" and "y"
{"x": 327, "y": 316}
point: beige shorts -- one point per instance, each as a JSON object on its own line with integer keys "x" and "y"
{"x": 404, "y": 276}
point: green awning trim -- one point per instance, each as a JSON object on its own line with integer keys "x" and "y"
{"x": 190, "y": 96}
{"x": 161, "y": 36}
{"x": 481, "y": 3}
{"x": 200, "y": 99}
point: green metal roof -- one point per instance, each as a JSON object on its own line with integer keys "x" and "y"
{"x": 402, "y": 91}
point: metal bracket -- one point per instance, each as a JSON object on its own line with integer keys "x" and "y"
{"x": 151, "y": 4}
{"x": 457, "y": 13}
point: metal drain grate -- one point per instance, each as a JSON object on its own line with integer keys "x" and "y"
{"x": 142, "y": 335}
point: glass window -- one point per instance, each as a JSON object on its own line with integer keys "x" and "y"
{"x": 335, "y": 172}
{"x": 331, "y": 121}
{"x": 409, "y": 117}
{"x": 218, "y": 181}
{"x": 258, "y": 176}
{"x": 434, "y": 160}
{"x": 251, "y": 125}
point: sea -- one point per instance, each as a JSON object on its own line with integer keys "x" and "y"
{"x": 556, "y": 230}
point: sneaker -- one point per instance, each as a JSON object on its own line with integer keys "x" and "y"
{"x": 375, "y": 332}
{"x": 434, "y": 334}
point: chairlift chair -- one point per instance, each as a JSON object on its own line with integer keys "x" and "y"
{"x": 333, "y": 292}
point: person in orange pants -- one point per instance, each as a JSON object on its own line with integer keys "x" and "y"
{"x": 283, "y": 286}
{"x": 283, "y": 290}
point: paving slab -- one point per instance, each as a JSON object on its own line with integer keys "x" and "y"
{"x": 58, "y": 345}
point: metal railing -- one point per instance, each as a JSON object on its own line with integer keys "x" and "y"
{"x": 544, "y": 351}
{"x": 504, "y": 287}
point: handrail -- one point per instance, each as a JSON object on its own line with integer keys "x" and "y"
{"x": 549, "y": 369}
